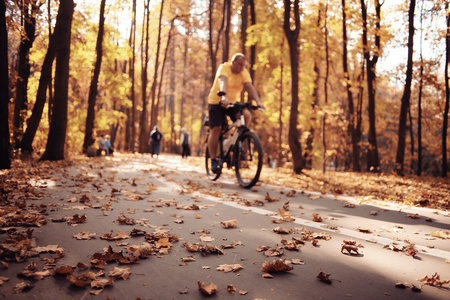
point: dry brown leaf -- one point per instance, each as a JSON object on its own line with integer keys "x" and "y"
{"x": 316, "y": 217}
{"x": 64, "y": 270}
{"x": 363, "y": 229}
{"x": 231, "y": 288}
{"x": 434, "y": 280}
{"x": 101, "y": 283}
{"x": 441, "y": 234}
{"x": 207, "y": 289}
{"x": 123, "y": 273}
{"x": 243, "y": 292}
{"x": 82, "y": 280}
{"x": 229, "y": 223}
{"x": 278, "y": 265}
{"x": 271, "y": 199}
{"x": 85, "y": 235}
{"x": 229, "y": 268}
{"x": 3, "y": 279}
{"x": 22, "y": 287}
{"x": 324, "y": 277}
{"x": 267, "y": 275}
{"x": 282, "y": 230}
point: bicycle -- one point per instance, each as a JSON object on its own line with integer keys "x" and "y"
{"x": 239, "y": 147}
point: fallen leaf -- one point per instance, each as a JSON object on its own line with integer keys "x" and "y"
{"x": 324, "y": 277}
{"x": 278, "y": 265}
{"x": 441, "y": 234}
{"x": 316, "y": 217}
{"x": 85, "y": 235}
{"x": 229, "y": 268}
{"x": 271, "y": 199}
{"x": 434, "y": 280}
{"x": 231, "y": 288}
{"x": 123, "y": 273}
{"x": 207, "y": 289}
{"x": 22, "y": 287}
{"x": 282, "y": 230}
{"x": 101, "y": 283}
{"x": 229, "y": 223}
{"x": 3, "y": 279}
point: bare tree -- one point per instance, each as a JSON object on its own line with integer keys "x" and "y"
{"x": 93, "y": 89}
{"x": 57, "y": 134}
{"x": 447, "y": 93}
{"x": 45, "y": 81}
{"x": 399, "y": 161}
{"x": 155, "y": 102}
{"x": 351, "y": 107}
{"x": 213, "y": 50}
{"x": 29, "y": 10}
{"x": 373, "y": 160}
{"x": 292, "y": 32}
{"x": 143, "y": 131}
{"x": 226, "y": 36}
{"x": 5, "y": 147}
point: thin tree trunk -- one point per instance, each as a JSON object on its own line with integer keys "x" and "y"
{"x": 93, "y": 89}
{"x": 213, "y": 50}
{"x": 44, "y": 84}
{"x": 447, "y": 94}
{"x": 292, "y": 37}
{"x": 244, "y": 22}
{"x": 131, "y": 120}
{"x": 327, "y": 71}
{"x": 143, "y": 131}
{"x": 351, "y": 109}
{"x": 373, "y": 160}
{"x": 57, "y": 133}
{"x": 419, "y": 104}
{"x": 400, "y": 157}
{"x": 155, "y": 102}
{"x": 252, "y": 47}
{"x": 29, "y": 10}
{"x": 5, "y": 146}
{"x": 226, "y": 37}
{"x": 183, "y": 84}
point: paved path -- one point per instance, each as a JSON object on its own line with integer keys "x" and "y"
{"x": 162, "y": 198}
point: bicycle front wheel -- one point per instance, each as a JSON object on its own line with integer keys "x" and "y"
{"x": 211, "y": 175}
{"x": 248, "y": 159}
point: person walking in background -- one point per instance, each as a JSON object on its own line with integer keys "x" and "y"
{"x": 108, "y": 145}
{"x": 156, "y": 137}
{"x": 101, "y": 145}
{"x": 185, "y": 143}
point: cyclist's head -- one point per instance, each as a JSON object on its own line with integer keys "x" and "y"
{"x": 238, "y": 63}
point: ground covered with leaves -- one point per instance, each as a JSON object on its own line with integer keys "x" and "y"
{"x": 96, "y": 190}
{"x": 423, "y": 191}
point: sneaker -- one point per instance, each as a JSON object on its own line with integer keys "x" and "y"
{"x": 214, "y": 166}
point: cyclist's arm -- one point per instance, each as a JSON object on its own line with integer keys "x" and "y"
{"x": 248, "y": 86}
{"x": 223, "y": 87}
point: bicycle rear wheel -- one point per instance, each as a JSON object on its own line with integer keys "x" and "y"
{"x": 211, "y": 175}
{"x": 248, "y": 159}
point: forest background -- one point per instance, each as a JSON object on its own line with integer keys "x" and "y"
{"x": 348, "y": 85}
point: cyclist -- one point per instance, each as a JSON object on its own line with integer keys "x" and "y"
{"x": 231, "y": 78}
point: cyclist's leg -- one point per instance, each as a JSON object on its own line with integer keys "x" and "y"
{"x": 234, "y": 115}
{"x": 217, "y": 115}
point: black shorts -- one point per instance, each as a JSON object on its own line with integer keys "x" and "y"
{"x": 218, "y": 113}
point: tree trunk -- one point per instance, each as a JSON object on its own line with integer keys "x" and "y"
{"x": 130, "y": 132}
{"x": 143, "y": 131}
{"x": 183, "y": 84}
{"x": 419, "y": 100}
{"x": 5, "y": 147}
{"x": 244, "y": 22}
{"x": 226, "y": 37}
{"x": 155, "y": 102}
{"x": 327, "y": 71}
{"x": 252, "y": 47}
{"x": 373, "y": 161}
{"x": 93, "y": 89}
{"x": 447, "y": 94}
{"x": 45, "y": 82}
{"x": 292, "y": 37}
{"x": 351, "y": 109}
{"x": 57, "y": 133}
{"x": 29, "y": 10}
{"x": 399, "y": 160}
{"x": 213, "y": 50}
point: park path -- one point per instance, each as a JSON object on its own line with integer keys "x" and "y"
{"x": 133, "y": 227}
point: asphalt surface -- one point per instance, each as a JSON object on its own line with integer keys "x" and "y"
{"x": 175, "y": 197}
